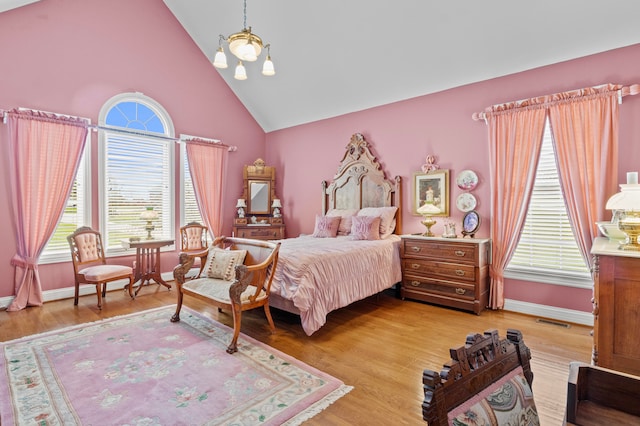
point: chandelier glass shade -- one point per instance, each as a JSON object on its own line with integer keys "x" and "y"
{"x": 247, "y": 47}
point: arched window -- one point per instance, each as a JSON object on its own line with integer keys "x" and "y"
{"x": 136, "y": 169}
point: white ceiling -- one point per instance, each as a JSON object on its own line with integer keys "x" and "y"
{"x": 338, "y": 56}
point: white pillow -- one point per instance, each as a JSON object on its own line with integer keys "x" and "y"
{"x": 345, "y": 221}
{"x": 387, "y": 218}
{"x": 221, "y": 264}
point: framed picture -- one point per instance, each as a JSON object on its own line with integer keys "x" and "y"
{"x": 431, "y": 188}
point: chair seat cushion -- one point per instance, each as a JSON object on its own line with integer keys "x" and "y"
{"x": 218, "y": 290}
{"x": 105, "y": 272}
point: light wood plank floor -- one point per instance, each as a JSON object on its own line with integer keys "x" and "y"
{"x": 379, "y": 345}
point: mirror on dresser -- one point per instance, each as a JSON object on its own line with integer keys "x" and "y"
{"x": 256, "y": 219}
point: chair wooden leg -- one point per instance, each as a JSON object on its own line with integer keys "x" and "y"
{"x": 77, "y": 294}
{"x": 267, "y": 312}
{"x": 99, "y": 291}
{"x": 130, "y": 286}
{"x": 237, "y": 322}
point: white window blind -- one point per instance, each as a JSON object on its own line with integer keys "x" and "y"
{"x": 191, "y": 212}
{"x": 547, "y": 245}
{"x": 138, "y": 175}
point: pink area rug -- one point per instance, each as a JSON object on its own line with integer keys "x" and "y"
{"x": 142, "y": 369}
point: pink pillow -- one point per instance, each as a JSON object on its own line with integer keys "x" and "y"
{"x": 326, "y": 226}
{"x": 365, "y": 227}
{"x": 345, "y": 221}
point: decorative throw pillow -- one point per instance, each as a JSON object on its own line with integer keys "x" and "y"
{"x": 345, "y": 219}
{"x": 365, "y": 228}
{"x": 221, "y": 264}
{"x": 507, "y": 401}
{"x": 387, "y": 218}
{"x": 326, "y": 226}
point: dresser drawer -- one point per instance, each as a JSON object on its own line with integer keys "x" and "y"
{"x": 458, "y": 252}
{"x": 442, "y": 287}
{"x": 455, "y": 271}
{"x": 257, "y": 233}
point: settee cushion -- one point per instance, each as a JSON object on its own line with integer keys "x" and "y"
{"x": 218, "y": 289}
{"x": 221, "y": 263}
{"x": 509, "y": 400}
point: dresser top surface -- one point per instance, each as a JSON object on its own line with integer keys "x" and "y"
{"x": 604, "y": 246}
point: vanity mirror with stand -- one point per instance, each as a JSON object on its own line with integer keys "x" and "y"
{"x": 259, "y": 193}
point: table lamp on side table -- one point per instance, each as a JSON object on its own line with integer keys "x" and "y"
{"x": 428, "y": 210}
{"x": 149, "y": 215}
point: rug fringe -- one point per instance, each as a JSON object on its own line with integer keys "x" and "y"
{"x": 318, "y": 406}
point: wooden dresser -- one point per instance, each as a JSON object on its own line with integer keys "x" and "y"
{"x": 447, "y": 271}
{"x": 616, "y": 294}
{"x": 272, "y": 231}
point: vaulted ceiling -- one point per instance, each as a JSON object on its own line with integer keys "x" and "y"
{"x": 338, "y": 56}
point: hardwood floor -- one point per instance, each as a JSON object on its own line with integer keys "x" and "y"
{"x": 380, "y": 346}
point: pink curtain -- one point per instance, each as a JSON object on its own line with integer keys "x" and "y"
{"x": 208, "y": 168}
{"x": 585, "y": 132}
{"x": 584, "y": 125}
{"x": 515, "y": 139}
{"x": 44, "y": 152}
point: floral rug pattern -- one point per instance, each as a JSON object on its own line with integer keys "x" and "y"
{"x": 142, "y": 369}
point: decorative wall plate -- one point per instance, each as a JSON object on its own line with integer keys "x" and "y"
{"x": 466, "y": 202}
{"x": 467, "y": 180}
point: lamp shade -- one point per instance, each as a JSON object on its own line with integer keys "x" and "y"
{"x": 428, "y": 209}
{"x": 267, "y": 67}
{"x": 149, "y": 214}
{"x": 220, "y": 60}
{"x": 241, "y": 72}
{"x": 627, "y": 199}
{"x": 276, "y": 203}
{"x": 241, "y": 203}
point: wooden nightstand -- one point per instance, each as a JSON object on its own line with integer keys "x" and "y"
{"x": 452, "y": 272}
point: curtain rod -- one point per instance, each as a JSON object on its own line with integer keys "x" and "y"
{"x": 622, "y": 91}
{"x": 95, "y": 128}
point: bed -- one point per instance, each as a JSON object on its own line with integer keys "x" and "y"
{"x": 317, "y": 275}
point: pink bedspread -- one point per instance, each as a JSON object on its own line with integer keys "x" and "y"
{"x": 320, "y": 275}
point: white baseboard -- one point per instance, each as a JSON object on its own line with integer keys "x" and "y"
{"x": 550, "y": 312}
{"x": 67, "y": 292}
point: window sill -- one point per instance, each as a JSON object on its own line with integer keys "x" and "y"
{"x": 567, "y": 280}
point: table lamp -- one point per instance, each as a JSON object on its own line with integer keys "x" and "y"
{"x": 149, "y": 215}
{"x": 241, "y": 205}
{"x": 276, "y": 206}
{"x": 427, "y": 210}
{"x": 627, "y": 201}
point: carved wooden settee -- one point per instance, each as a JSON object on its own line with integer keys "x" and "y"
{"x": 235, "y": 275}
{"x": 487, "y": 381}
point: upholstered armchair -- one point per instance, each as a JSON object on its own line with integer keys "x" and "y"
{"x": 90, "y": 265}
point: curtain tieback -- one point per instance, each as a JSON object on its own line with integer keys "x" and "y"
{"x": 25, "y": 262}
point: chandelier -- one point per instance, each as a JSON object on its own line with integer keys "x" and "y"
{"x": 246, "y": 46}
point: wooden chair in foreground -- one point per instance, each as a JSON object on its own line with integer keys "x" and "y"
{"x": 598, "y": 396}
{"x": 236, "y": 276}
{"x": 487, "y": 381}
{"x": 193, "y": 239}
{"x": 90, "y": 265}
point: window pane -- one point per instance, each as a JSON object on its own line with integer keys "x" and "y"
{"x": 138, "y": 176}
{"x": 191, "y": 211}
{"x": 547, "y": 243}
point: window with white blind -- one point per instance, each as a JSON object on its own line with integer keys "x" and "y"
{"x": 190, "y": 211}
{"x": 137, "y": 169}
{"x": 76, "y": 213}
{"x": 547, "y": 250}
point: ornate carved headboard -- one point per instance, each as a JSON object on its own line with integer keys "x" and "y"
{"x": 360, "y": 182}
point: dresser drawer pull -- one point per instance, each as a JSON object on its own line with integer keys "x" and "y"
{"x": 415, "y": 266}
{"x": 460, "y": 291}
{"x": 416, "y": 249}
{"x": 415, "y": 283}
{"x": 459, "y": 272}
{"x": 460, "y": 253}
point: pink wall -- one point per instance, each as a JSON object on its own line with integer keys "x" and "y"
{"x": 402, "y": 134}
{"x": 72, "y": 56}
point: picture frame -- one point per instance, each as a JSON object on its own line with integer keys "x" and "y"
{"x": 470, "y": 224}
{"x": 431, "y": 187}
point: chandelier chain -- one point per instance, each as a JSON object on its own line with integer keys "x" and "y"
{"x": 245, "y": 14}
